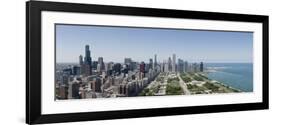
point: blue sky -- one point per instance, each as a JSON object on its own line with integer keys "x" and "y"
{"x": 140, "y": 44}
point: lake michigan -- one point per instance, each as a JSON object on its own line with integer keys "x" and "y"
{"x": 236, "y": 75}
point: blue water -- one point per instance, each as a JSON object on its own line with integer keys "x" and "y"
{"x": 237, "y": 75}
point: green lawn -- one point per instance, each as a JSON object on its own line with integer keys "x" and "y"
{"x": 173, "y": 88}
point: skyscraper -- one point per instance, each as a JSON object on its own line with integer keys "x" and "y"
{"x": 117, "y": 68}
{"x": 99, "y": 68}
{"x": 86, "y": 66}
{"x": 142, "y": 70}
{"x": 151, "y": 64}
{"x": 87, "y": 58}
{"x": 95, "y": 65}
{"x": 174, "y": 63}
{"x": 170, "y": 64}
{"x": 180, "y": 65}
{"x": 80, "y": 59}
{"x": 142, "y": 67}
{"x": 86, "y": 70}
{"x": 101, "y": 63}
{"x": 162, "y": 66}
{"x": 201, "y": 67}
{"x": 127, "y": 61}
{"x": 186, "y": 66}
{"x": 166, "y": 67}
{"x": 73, "y": 90}
{"x": 155, "y": 61}
{"x": 195, "y": 67}
{"x": 97, "y": 84}
{"x": 76, "y": 70}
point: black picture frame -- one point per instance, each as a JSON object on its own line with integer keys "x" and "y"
{"x": 33, "y": 61}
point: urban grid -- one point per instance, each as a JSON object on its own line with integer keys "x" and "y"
{"x": 98, "y": 79}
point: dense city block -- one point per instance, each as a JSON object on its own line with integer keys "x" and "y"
{"x": 90, "y": 78}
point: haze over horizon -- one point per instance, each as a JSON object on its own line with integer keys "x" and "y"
{"x": 116, "y": 43}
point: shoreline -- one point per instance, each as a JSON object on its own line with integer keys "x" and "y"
{"x": 200, "y": 83}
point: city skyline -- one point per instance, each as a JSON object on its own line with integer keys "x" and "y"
{"x": 141, "y": 44}
{"x": 98, "y": 79}
{"x": 114, "y": 62}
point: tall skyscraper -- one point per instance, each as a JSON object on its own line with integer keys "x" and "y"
{"x": 170, "y": 64}
{"x": 73, "y": 90}
{"x": 186, "y": 66}
{"x": 87, "y": 58}
{"x": 142, "y": 67}
{"x": 95, "y": 65}
{"x": 151, "y": 64}
{"x": 155, "y": 61}
{"x": 195, "y": 67}
{"x": 162, "y": 66}
{"x": 80, "y": 59}
{"x": 109, "y": 68}
{"x": 86, "y": 66}
{"x": 97, "y": 84}
{"x": 117, "y": 68}
{"x": 166, "y": 67}
{"x": 86, "y": 70}
{"x": 100, "y": 60}
{"x": 174, "y": 63}
{"x": 180, "y": 66}
{"x": 76, "y": 70}
{"x": 201, "y": 67}
{"x": 99, "y": 68}
{"x": 101, "y": 63}
{"x": 142, "y": 70}
{"x": 127, "y": 61}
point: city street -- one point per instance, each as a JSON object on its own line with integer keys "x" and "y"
{"x": 183, "y": 85}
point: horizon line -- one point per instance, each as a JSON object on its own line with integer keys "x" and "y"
{"x": 162, "y": 62}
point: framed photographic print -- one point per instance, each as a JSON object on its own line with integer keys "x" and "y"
{"x": 95, "y": 62}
